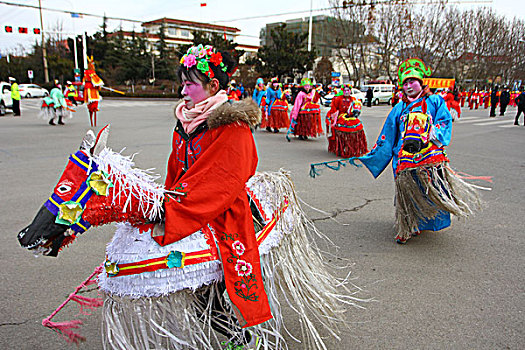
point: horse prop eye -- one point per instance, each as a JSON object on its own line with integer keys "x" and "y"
{"x": 62, "y": 189}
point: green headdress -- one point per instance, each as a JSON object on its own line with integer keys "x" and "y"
{"x": 306, "y": 81}
{"x": 413, "y": 68}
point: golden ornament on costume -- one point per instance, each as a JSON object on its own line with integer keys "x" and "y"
{"x": 100, "y": 183}
{"x": 69, "y": 213}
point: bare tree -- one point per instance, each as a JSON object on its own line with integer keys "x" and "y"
{"x": 353, "y": 39}
{"x": 473, "y": 46}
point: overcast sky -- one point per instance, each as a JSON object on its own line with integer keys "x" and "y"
{"x": 227, "y": 12}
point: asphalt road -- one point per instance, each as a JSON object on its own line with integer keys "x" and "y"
{"x": 458, "y": 289}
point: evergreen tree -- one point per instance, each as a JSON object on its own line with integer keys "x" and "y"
{"x": 285, "y": 55}
{"x": 219, "y": 41}
{"x": 166, "y": 63}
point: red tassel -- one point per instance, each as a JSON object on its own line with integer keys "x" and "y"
{"x": 64, "y": 329}
{"x": 87, "y": 303}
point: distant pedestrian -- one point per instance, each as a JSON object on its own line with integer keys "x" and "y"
{"x": 243, "y": 92}
{"x": 494, "y": 100}
{"x": 295, "y": 92}
{"x": 369, "y": 97}
{"x": 15, "y": 95}
{"x": 71, "y": 93}
{"x": 520, "y": 102}
{"x": 504, "y": 100}
{"x": 306, "y": 113}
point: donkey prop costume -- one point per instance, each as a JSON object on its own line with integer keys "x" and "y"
{"x": 414, "y": 137}
{"x": 170, "y": 296}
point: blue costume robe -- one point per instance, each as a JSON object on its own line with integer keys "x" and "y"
{"x": 258, "y": 96}
{"x": 390, "y": 141}
{"x": 271, "y": 96}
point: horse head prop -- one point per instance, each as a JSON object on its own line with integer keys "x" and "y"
{"x": 92, "y": 192}
{"x": 417, "y": 132}
{"x": 355, "y": 108}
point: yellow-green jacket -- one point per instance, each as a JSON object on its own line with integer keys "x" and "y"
{"x": 15, "y": 93}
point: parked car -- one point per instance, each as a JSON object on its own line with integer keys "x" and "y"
{"x": 327, "y": 99}
{"x": 5, "y": 97}
{"x": 32, "y": 90}
{"x": 382, "y": 92}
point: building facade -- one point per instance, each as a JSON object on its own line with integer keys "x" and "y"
{"x": 179, "y": 32}
{"x": 323, "y": 41}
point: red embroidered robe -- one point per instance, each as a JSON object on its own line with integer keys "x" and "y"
{"x": 211, "y": 165}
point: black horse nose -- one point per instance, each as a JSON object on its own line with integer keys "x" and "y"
{"x": 412, "y": 146}
{"x": 41, "y": 230}
{"x": 29, "y": 241}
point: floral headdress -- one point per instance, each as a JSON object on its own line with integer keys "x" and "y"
{"x": 203, "y": 57}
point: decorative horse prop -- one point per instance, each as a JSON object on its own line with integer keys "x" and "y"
{"x": 153, "y": 294}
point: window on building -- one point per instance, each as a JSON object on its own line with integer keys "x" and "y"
{"x": 185, "y": 33}
{"x": 172, "y": 31}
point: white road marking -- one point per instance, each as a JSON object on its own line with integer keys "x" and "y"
{"x": 494, "y": 122}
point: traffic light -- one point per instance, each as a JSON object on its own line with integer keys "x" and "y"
{"x": 22, "y": 30}
{"x": 8, "y": 29}
{"x": 36, "y": 30}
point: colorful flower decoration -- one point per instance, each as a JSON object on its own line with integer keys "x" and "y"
{"x": 238, "y": 247}
{"x": 69, "y": 213}
{"x": 202, "y": 56}
{"x": 243, "y": 268}
{"x": 189, "y": 61}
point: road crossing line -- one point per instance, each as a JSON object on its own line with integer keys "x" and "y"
{"x": 494, "y": 122}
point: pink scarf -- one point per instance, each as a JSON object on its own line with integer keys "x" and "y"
{"x": 191, "y": 118}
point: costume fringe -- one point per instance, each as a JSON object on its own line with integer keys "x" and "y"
{"x": 295, "y": 275}
{"x": 308, "y": 124}
{"x": 47, "y": 113}
{"x": 348, "y": 144}
{"x": 422, "y": 192}
{"x": 279, "y": 119}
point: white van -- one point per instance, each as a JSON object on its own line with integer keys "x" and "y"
{"x": 382, "y": 92}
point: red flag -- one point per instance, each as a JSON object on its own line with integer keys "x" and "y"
{"x": 203, "y": 4}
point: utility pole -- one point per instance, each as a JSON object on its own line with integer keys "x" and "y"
{"x": 44, "y": 53}
{"x": 310, "y": 27}
{"x": 84, "y": 50}
{"x": 75, "y": 49}
{"x": 153, "y": 65}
